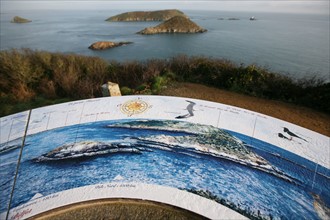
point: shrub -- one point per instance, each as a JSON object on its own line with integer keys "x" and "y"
{"x": 126, "y": 91}
{"x": 158, "y": 83}
{"x": 180, "y": 65}
{"x": 17, "y": 74}
{"x": 27, "y": 74}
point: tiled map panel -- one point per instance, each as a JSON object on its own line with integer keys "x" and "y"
{"x": 209, "y": 158}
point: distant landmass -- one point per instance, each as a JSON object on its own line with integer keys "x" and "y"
{"x": 233, "y": 19}
{"x": 177, "y": 24}
{"x": 161, "y": 15}
{"x": 18, "y": 19}
{"x": 102, "y": 45}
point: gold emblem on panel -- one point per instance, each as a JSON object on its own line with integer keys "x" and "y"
{"x": 134, "y": 107}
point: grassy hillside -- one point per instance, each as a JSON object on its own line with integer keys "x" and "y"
{"x": 177, "y": 24}
{"x": 160, "y": 15}
{"x": 35, "y": 78}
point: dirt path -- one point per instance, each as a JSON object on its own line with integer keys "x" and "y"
{"x": 118, "y": 209}
{"x": 298, "y": 115}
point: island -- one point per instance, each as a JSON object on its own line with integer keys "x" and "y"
{"x": 102, "y": 45}
{"x": 161, "y": 15}
{"x": 233, "y": 19}
{"x": 177, "y": 24}
{"x": 18, "y": 19}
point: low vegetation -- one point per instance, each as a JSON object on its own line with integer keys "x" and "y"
{"x": 31, "y": 79}
{"x": 160, "y": 15}
{"x": 177, "y": 24}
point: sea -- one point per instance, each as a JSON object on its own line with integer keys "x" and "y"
{"x": 251, "y": 191}
{"x": 296, "y": 45}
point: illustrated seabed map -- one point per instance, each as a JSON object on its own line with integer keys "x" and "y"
{"x": 215, "y": 160}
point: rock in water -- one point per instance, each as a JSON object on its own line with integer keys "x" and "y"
{"x": 102, "y": 45}
{"x": 18, "y": 19}
{"x": 176, "y": 24}
{"x": 161, "y": 15}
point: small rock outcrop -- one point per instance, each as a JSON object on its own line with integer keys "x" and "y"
{"x": 176, "y": 24}
{"x": 161, "y": 15}
{"x": 102, "y": 45}
{"x": 18, "y": 19}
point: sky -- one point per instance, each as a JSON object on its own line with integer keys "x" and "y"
{"x": 281, "y": 6}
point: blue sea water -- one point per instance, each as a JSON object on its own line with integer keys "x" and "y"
{"x": 251, "y": 190}
{"x": 291, "y": 44}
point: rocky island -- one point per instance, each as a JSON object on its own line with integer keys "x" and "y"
{"x": 102, "y": 45}
{"x": 177, "y": 24}
{"x": 18, "y": 19}
{"x": 161, "y": 15}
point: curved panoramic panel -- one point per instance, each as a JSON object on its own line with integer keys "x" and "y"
{"x": 215, "y": 160}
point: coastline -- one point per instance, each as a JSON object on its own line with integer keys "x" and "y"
{"x": 242, "y": 41}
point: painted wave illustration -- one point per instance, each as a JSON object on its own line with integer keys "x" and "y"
{"x": 7, "y": 148}
{"x": 187, "y": 137}
{"x": 10, "y": 146}
{"x": 87, "y": 149}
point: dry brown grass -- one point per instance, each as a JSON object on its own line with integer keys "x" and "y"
{"x": 28, "y": 76}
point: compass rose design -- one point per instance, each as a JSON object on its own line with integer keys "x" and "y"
{"x": 134, "y": 107}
